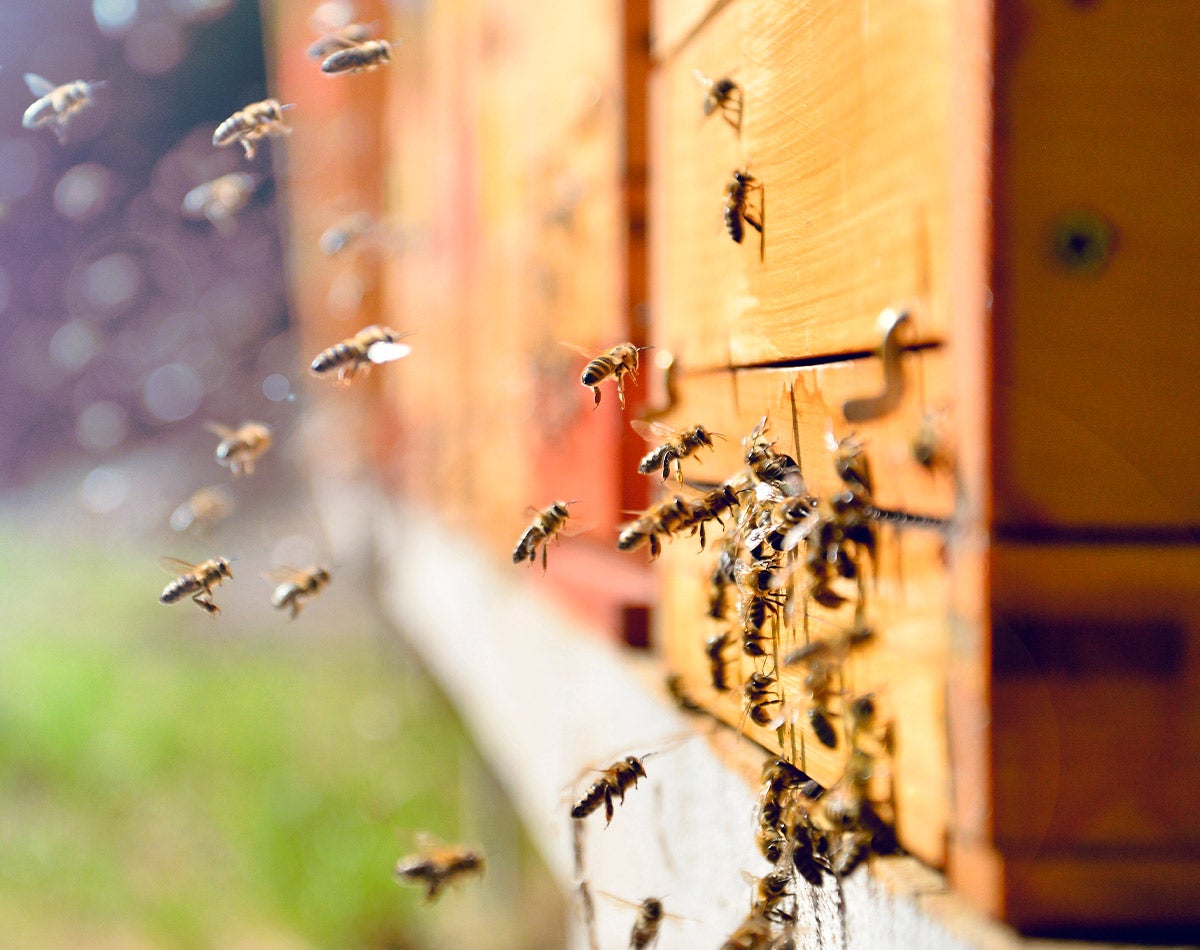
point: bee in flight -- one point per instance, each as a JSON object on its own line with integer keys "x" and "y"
{"x": 55, "y": 106}
{"x": 220, "y": 200}
{"x": 435, "y": 865}
{"x": 295, "y": 588}
{"x": 335, "y": 38}
{"x": 240, "y": 448}
{"x": 256, "y": 121}
{"x": 547, "y": 524}
{"x": 358, "y": 58}
{"x": 722, "y": 94}
{"x": 202, "y": 510}
{"x": 737, "y": 211}
{"x": 676, "y": 446}
{"x": 612, "y": 783}
{"x": 373, "y": 344}
{"x": 195, "y": 579}
{"x": 617, "y": 362}
{"x": 346, "y": 231}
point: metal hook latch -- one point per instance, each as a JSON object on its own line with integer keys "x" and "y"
{"x": 872, "y": 407}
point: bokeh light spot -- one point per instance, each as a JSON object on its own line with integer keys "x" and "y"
{"x": 83, "y": 192}
{"x": 155, "y": 48}
{"x": 112, "y": 281}
{"x": 18, "y": 169}
{"x": 172, "y": 392}
{"x": 104, "y": 490}
{"x": 102, "y": 425}
{"x": 276, "y": 387}
{"x": 114, "y": 16}
{"x": 74, "y": 344}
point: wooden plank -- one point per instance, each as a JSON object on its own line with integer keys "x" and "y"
{"x": 906, "y": 602}
{"x": 851, "y": 142}
{"x": 1095, "y": 137}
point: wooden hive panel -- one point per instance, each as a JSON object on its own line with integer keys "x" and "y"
{"x": 851, "y": 143}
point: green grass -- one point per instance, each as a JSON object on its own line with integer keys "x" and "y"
{"x": 166, "y": 782}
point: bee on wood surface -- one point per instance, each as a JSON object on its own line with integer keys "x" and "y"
{"x": 832, "y": 650}
{"x": 721, "y": 580}
{"x": 677, "y": 444}
{"x": 667, "y": 517}
{"x": 361, "y": 57}
{"x": 617, "y": 362}
{"x": 612, "y": 782}
{"x": 295, "y": 587}
{"x": 256, "y": 121}
{"x": 718, "y": 663}
{"x": 757, "y": 932}
{"x": 220, "y": 200}
{"x": 756, "y": 609}
{"x": 724, "y": 95}
{"x": 240, "y": 448}
{"x": 784, "y": 525}
{"x": 205, "y": 508}
{"x": 768, "y": 467}
{"x": 436, "y": 865}
{"x": 369, "y": 346}
{"x": 55, "y": 106}
{"x": 195, "y": 579}
{"x": 851, "y": 464}
{"x": 338, "y": 38}
{"x": 759, "y": 691}
{"x": 547, "y": 524}
{"x": 737, "y": 210}
{"x": 678, "y": 692}
{"x": 770, "y": 891}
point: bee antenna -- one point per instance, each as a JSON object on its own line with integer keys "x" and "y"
{"x": 288, "y": 105}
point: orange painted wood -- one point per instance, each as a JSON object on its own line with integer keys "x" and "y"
{"x": 847, "y": 126}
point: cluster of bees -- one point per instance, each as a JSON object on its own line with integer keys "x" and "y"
{"x": 347, "y": 48}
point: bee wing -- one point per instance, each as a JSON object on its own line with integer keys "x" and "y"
{"x": 222, "y": 432}
{"x": 174, "y": 565}
{"x": 799, "y": 531}
{"x": 39, "y": 85}
{"x": 652, "y": 431}
{"x": 282, "y": 574}
{"x": 385, "y": 352}
{"x": 586, "y": 354}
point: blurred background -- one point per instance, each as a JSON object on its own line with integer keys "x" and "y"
{"x": 168, "y": 780}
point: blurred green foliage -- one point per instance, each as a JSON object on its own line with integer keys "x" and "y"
{"x": 165, "y": 782}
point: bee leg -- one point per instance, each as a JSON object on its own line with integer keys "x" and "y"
{"x": 655, "y": 547}
{"x": 702, "y": 535}
{"x": 666, "y": 469}
{"x": 248, "y": 148}
{"x": 295, "y": 609}
{"x": 204, "y": 599}
{"x": 608, "y": 805}
{"x": 596, "y": 393}
{"x": 621, "y": 389}
{"x": 544, "y": 548}
{"x": 60, "y": 130}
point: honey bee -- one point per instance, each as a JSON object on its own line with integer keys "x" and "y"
{"x": 195, "y": 579}
{"x": 678, "y": 445}
{"x": 55, "y": 106}
{"x": 851, "y": 464}
{"x": 547, "y": 524}
{"x": 256, "y": 121}
{"x": 756, "y": 932}
{"x": 220, "y": 200}
{"x": 361, "y": 57}
{"x": 723, "y": 94}
{"x": 341, "y": 37}
{"x": 737, "y": 214}
{"x": 757, "y": 607}
{"x": 780, "y": 472}
{"x": 709, "y": 507}
{"x": 240, "y": 448}
{"x": 665, "y": 517}
{"x": 617, "y": 362}
{"x": 370, "y": 345}
{"x": 760, "y": 693}
{"x": 718, "y": 663}
{"x": 202, "y": 510}
{"x": 295, "y": 587}
{"x": 612, "y": 782}
{"x": 345, "y": 231}
{"x": 678, "y": 692}
{"x": 819, "y": 683}
{"x": 770, "y": 892}
{"x": 436, "y": 865}
{"x": 783, "y": 526}
{"x": 720, "y": 580}
{"x": 645, "y": 927}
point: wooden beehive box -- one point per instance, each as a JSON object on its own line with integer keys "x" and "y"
{"x": 1018, "y": 179}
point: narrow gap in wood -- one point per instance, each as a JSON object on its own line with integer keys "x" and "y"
{"x": 657, "y": 58}
{"x": 809, "y": 362}
{"x": 1098, "y": 534}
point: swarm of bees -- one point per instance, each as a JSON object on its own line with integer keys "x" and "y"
{"x": 56, "y": 106}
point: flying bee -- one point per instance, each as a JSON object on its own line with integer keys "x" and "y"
{"x": 346, "y": 231}
{"x": 645, "y": 927}
{"x": 617, "y": 362}
{"x": 240, "y": 448}
{"x": 768, "y": 467}
{"x": 338, "y": 38}
{"x": 370, "y": 345}
{"x": 436, "y": 865}
{"x": 737, "y": 211}
{"x": 55, "y": 106}
{"x": 850, "y": 462}
{"x": 202, "y": 510}
{"x": 756, "y": 932}
{"x": 666, "y": 517}
{"x": 220, "y": 200}
{"x": 709, "y": 507}
{"x": 613, "y": 782}
{"x": 256, "y": 121}
{"x": 784, "y": 526}
{"x": 718, "y": 663}
{"x": 359, "y": 58}
{"x": 195, "y": 579}
{"x": 722, "y": 94}
{"x": 678, "y": 445}
{"x": 547, "y": 524}
{"x": 294, "y": 587}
